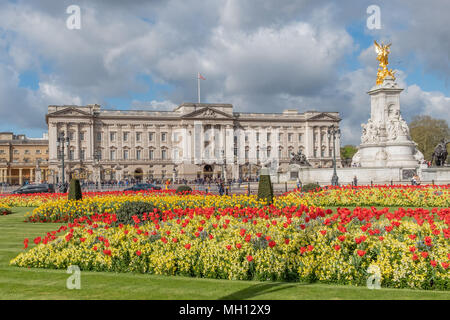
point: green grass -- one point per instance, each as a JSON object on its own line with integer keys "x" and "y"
{"x": 22, "y": 283}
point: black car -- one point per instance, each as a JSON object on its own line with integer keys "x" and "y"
{"x": 143, "y": 186}
{"x": 35, "y": 188}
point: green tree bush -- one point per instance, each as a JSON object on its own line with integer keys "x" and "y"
{"x": 184, "y": 189}
{"x": 310, "y": 187}
{"x": 133, "y": 208}
{"x": 427, "y": 132}
{"x": 265, "y": 188}
{"x": 75, "y": 190}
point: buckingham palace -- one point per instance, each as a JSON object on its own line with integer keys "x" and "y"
{"x": 195, "y": 140}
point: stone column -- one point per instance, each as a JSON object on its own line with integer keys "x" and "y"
{"x": 20, "y": 176}
{"x": 52, "y": 136}
{"x": 77, "y": 142}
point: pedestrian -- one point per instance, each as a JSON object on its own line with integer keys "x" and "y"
{"x": 355, "y": 181}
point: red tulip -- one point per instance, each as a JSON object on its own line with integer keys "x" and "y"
{"x": 361, "y": 253}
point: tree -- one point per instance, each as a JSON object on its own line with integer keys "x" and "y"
{"x": 348, "y": 151}
{"x": 427, "y": 132}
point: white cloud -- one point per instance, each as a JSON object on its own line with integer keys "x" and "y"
{"x": 258, "y": 55}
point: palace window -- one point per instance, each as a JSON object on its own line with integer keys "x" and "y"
{"x": 138, "y": 136}
{"x": 125, "y": 154}
{"x": 38, "y": 151}
{"x": 268, "y": 136}
{"x": 99, "y": 136}
{"x": 257, "y": 137}
{"x": 71, "y": 154}
{"x": 280, "y": 153}
{"x": 27, "y": 151}
{"x": 125, "y": 136}
{"x": 151, "y": 136}
{"x": 81, "y": 136}
{"x": 163, "y": 136}
{"x": 280, "y": 137}
{"x": 71, "y": 136}
{"x": 151, "y": 154}
{"x": 138, "y": 154}
{"x": 289, "y": 137}
{"x": 82, "y": 154}
{"x": 246, "y": 154}
{"x": 246, "y": 137}
{"x": 268, "y": 152}
{"x": 300, "y": 136}
{"x": 112, "y": 154}
{"x": 112, "y": 136}
{"x": 163, "y": 154}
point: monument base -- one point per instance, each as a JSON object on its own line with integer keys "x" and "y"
{"x": 389, "y": 154}
{"x": 366, "y": 175}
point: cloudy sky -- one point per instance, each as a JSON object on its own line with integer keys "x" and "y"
{"x": 259, "y": 55}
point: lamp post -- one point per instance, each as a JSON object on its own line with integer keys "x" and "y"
{"x": 223, "y": 165}
{"x": 332, "y": 132}
{"x": 60, "y": 141}
{"x": 97, "y": 157}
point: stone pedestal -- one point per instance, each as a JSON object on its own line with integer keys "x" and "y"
{"x": 385, "y": 141}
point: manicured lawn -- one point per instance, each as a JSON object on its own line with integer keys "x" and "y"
{"x": 20, "y": 283}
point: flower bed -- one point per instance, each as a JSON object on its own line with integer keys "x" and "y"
{"x": 38, "y": 199}
{"x": 64, "y": 210}
{"x": 410, "y": 247}
{"x": 390, "y": 196}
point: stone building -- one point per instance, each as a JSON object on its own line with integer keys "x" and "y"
{"x": 23, "y": 159}
{"x": 192, "y": 141}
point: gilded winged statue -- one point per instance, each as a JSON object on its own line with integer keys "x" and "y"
{"x": 382, "y": 56}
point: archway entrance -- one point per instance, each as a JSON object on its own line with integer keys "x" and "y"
{"x": 208, "y": 172}
{"x": 138, "y": 174}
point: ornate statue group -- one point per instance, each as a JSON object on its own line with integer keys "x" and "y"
{"x": 299, "y": 159}
{"x": 395, "y": 127}
{"x": 440, "y": 153}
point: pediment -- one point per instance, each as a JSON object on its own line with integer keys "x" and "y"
{"x": 70, "y": 111}
{"x": 208, "y": 113}
{"x": 324, "y": 117}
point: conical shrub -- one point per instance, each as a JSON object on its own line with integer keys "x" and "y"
{"x": 265, "y": 189}
{"x": 75, "y": 190}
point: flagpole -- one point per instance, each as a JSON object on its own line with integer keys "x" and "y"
{"x": 198, "y": 86}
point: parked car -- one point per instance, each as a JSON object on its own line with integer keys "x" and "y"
{"x": 143, "y": 186}
{"x": 35, "y": 188}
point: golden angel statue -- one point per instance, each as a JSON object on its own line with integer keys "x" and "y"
{"x": 382, "y": 56}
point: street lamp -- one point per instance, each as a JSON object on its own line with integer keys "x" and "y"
{"x": 97, "y": 158}
{"x": 332, "y": 132}
{"x": 60, "y": 141}
{"x": 223, "y": 163}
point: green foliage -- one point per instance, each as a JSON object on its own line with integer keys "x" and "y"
{"x": 75, "y": 190}
{"x": 184, "y": 189}
{"x": 311, "y": 187}
{"x": 265, "y": 188}
{"x": 4, "y": 211}
{"x": 133, "y": 208}
{"x": 348, "y": 151}
{"x": 427, "y": 132}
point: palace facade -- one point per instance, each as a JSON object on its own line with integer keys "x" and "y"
{"x": 23, "y": 159}
{"x": 192, "y": 141}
